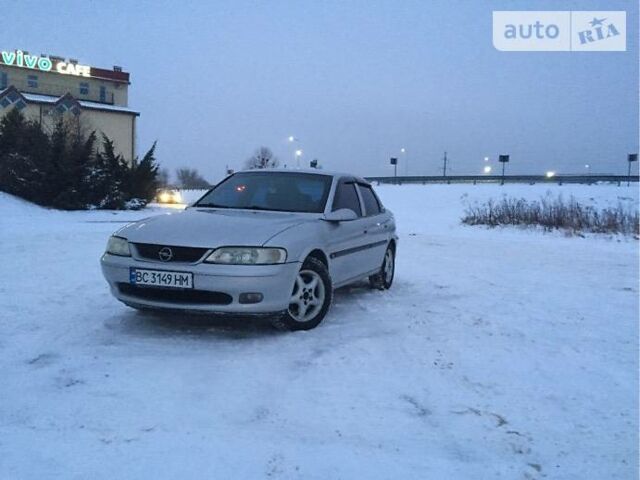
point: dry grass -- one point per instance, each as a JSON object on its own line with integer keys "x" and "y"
{"x": 555, "y": 213}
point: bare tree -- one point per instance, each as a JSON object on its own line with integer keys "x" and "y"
{"x": 191, "y": 178}
{"x": 262, "y": 158}
{"x": 163, "y": 177}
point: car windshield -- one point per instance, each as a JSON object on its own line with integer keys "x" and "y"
{"x": 276, "y": 191}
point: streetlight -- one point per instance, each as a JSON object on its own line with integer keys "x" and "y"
{"x": 487, "y": 169}
{"x": 486, "y": 159}
{"x": 296, "y": 156}
{"x": 403, "y": 151}
{"x": 550, "y": 174}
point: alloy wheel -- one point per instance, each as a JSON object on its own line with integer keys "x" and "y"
{"x": 387, "y": 269}
{"x": 307, "y": 297}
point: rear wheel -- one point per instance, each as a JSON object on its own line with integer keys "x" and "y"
{"x": 310, "y": 297}
{"x": 384, "y": 278}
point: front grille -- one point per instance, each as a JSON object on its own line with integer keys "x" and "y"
{"x": 175, "y": 295}
{"x": 179, "y": 254}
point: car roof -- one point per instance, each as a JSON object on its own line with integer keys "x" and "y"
{"x": 312, "y": 171}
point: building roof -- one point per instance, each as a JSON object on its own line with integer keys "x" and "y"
{"x": 50, "y": 99}
{"x": 112, "y": 75}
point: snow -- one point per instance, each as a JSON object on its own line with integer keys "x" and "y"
{"x": 498, "y": 353}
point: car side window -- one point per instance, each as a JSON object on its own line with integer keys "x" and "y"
{"x": 371, "y": 205}
{"x": 347, "y": 197}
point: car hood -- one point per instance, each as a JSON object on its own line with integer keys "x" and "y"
{"x": 212, "y": 228}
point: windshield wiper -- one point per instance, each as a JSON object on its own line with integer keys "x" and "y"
{"x": 258, "y": 207}
{"x": 211, "y": 205}
{"x": 248, "y": 207}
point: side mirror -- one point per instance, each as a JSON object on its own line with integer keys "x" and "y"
{"x": 341, "y": 215}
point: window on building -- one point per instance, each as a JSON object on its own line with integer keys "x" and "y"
{"x": 346, "y": 197}
{"x": 32, "y": 81}
{"x": 371, "y": 205}
{"x": 4, "y": 81}
{"x": 84, "y": 88}
{"x": 103, "y": 93}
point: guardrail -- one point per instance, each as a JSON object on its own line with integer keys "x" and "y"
{"x": 531, "y": 179}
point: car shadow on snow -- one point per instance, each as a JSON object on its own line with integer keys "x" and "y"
{"x": 238, "y": 327}
{"x": 172, "y": 324}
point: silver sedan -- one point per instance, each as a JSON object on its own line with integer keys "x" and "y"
{"x": 261, "y": 242}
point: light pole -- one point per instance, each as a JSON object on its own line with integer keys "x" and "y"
{"x": 487, "y": 168}
{"x": 444, "y": 165}
{"x": 296, "y": 156}
{"x": 403, "y": 151}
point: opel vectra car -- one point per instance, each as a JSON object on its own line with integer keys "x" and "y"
{"x": 266, "y": 242}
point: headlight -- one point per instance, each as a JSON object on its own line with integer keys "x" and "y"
{"x": 118, "y": 246}
{"x": 247, "y": 256}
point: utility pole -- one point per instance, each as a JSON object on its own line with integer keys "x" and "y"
{"x": 444, "y": 166}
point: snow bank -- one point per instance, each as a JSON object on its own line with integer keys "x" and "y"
{"x": 439, "y": 208}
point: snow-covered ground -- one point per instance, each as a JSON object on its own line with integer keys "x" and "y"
{"x": 498, "y": 353}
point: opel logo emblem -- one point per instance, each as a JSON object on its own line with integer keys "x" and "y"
{"x": 165, "y": 254}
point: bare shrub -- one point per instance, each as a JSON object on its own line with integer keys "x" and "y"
{"x": 554, "y": 213}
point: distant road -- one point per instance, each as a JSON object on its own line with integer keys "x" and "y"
{"x": 507, "y": 179}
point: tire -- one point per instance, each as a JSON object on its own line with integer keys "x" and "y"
{"x": 384, "y": 279}
{"x": 313, "y": 283}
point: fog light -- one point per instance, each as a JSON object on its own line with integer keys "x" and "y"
{"x": 250, "y": 297}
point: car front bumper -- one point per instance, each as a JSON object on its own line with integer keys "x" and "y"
{"x": 274, "y": 282}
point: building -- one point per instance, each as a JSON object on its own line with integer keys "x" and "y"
{"x": 46, "y": 88}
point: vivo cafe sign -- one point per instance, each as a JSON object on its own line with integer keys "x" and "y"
{"x": 44, "y": 64}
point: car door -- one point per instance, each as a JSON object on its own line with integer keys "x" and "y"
{"x": 347, "y": 240}
{"x": 377, "y": 225}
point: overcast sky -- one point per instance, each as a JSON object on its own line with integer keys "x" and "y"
{"x": 354, "y": 81}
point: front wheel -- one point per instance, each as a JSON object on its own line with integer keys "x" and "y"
{"x": 384, "y": 278}
{"x": 310, "y": 298}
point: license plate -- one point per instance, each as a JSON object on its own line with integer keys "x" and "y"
{"x": 160, "y": 278}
